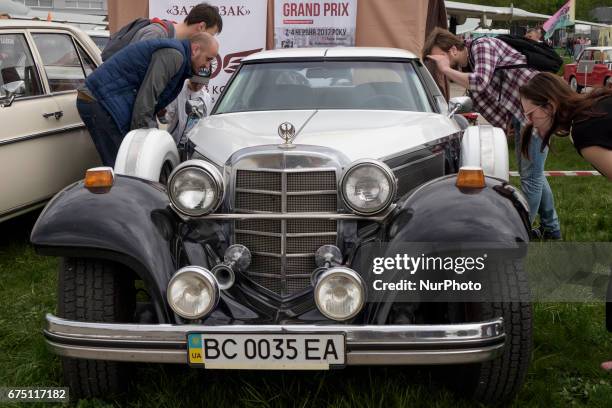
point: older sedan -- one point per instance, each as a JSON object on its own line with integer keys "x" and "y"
{"x": 258, "y": 252}
{"x": 43, "y": 139}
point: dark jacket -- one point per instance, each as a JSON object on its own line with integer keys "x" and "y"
{"x": 116, "y": 83}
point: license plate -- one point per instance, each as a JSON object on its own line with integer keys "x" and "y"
{"x": 266, "y": 351}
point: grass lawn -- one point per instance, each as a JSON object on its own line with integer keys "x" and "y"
{"x": 570, "y": 339}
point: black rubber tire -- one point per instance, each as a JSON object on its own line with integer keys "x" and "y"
{"x": 95, "y": 291}
{"x": 498, "y": 381}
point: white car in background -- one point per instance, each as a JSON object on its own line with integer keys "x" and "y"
{"x": 99, "y": 37}
{"x": 44, "y": 145}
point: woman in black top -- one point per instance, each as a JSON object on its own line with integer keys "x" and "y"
{"x": 551, "y": 106}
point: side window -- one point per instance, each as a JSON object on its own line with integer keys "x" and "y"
{"x": 61, "y": 61}
{"x": 87, "y": 62}
{"x": 17, "y": 64}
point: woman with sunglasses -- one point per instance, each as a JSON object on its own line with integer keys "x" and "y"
{"x": 551, "y": 107}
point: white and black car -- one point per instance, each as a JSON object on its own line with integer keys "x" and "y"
{"x": 251, "y": 251}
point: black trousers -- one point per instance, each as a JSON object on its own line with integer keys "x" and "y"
{"x": 102, "y": 129}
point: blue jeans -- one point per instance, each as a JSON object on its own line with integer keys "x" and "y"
{"x": 102, "y": 129}
{"x": 534, "y": 183}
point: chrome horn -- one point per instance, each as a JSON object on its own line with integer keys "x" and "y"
{"x": 237, "y": 258}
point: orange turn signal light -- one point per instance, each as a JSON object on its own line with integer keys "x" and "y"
{"x": 470, "y": 177}
{"x": 99, "y": 179}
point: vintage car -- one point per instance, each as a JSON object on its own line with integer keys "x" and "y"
{"x": 43, "y": 139}
{"x": 592, "y": 68}
{"x": 250, "y": 255}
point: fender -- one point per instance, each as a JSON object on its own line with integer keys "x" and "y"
{"x": 439, "y": 211}
{"x": 131, "y": 224}
{"x": 144, "y": 152}
{"x": 486, "y": 147}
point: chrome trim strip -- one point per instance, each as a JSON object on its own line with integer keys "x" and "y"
{"x": 272, "y": 275}
{"x": 42, "y": 134}
{"x": 436, "y": 334}
{"x": 424, "y": 357}
{"x": 385, "y": 357}
{"x": 279, "y": 255}
{"x": 277, "y": 216}
{"x": 318, "y": 192}
{"x": 248, "y": 190}
{"x": 119, "y": 354}
{"x": 166, "y": 343}
{"x": 288, "y": 235}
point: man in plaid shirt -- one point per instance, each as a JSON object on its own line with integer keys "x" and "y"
{"x": 495, "y": 93}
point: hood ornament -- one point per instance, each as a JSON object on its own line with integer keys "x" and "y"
{"x": 286, "y": 131}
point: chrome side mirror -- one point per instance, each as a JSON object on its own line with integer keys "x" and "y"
{"x": 10, "y": 92}
{"x": 195, "y": 108}
{"x": 460, "y": 104}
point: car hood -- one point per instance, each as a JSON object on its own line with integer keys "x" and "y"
{"x": 357, "y": 134}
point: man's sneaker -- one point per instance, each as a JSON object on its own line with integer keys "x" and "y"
{"x": 550, "y": 235}
{"x": 536, "y": 234}
{"x": 542, "y": 234}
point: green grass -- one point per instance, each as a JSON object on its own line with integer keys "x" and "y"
{"x": 570, "y": 338}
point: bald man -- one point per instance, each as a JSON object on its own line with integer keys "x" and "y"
{"x": 126, "y": 91}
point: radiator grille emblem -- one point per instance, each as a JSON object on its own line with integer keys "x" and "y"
{"x": 286, "y": 131}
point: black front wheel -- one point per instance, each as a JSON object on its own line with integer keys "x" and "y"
{"x": 499, "y": 380}
{"x": 92, "y": 290}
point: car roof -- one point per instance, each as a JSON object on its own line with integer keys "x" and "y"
{"x": 12, "y": 23}
{"x": 599, "y": 48}
{"x": 98, "y": 33}
{"x": 336, "y": 52}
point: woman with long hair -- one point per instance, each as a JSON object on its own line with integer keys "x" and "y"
{"x": 551, "y": 107}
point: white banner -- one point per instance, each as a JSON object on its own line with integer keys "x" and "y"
{"x": 322, "y": 23}
{"x": 244, "y": 32}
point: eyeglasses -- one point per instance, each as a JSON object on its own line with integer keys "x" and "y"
{"x": 530, "y": 111}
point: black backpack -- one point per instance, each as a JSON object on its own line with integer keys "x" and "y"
{"x": 124, "y": 36}
{"x": 539, "y": 56}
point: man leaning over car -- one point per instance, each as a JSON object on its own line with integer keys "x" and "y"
{"x": 126, "y": 91}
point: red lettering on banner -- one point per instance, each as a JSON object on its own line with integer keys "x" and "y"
{"x": 301, "y": 9}
{"x": 336, "y": 9}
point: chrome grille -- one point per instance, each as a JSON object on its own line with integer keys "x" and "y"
{"x": 311, "y": 181}
{"x": 283, "y": 250}
{"x": 273, "y": 226}
{"x": 258, "y": 202}
{"x": 312, "y": 203}
{"x": 309, "y": 244}
{"x": 258, "y": 180}
{"x": 310, "y": 226}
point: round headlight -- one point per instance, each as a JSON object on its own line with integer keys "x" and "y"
{"x": 340, "y": 293}
{"x": 193, "y": 292}
{"x": 368, "y": 187}
{"x": 196, "y": 188}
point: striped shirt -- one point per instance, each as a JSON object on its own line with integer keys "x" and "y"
{"x": 496, "y": 92}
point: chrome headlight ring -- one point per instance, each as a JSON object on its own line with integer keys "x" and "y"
{"x": 193, "y": 287}
{"x": 340, "y": 293}
{"x": 368, "y": 187}
{"x": 195, "y": 188}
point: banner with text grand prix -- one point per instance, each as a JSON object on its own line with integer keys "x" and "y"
{"x": 244, "y": 32}
{"x": 321, "y": 23}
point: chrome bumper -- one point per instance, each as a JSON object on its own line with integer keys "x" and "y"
{"x": 365, "y": 345}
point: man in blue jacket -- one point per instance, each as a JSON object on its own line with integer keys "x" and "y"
{"x": 126, "y": 91}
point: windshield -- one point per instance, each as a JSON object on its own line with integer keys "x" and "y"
{"x": 305, "y": 85}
